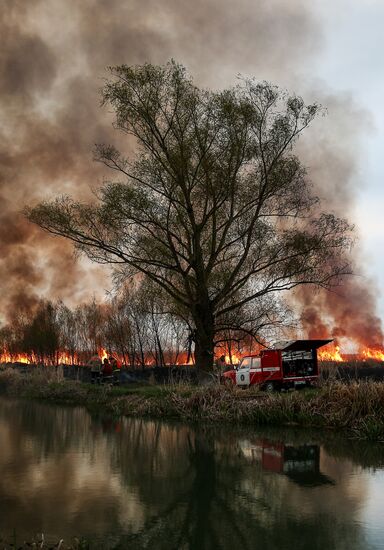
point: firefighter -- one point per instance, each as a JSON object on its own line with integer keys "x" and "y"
{"x": 113, "y": 362}
{"x": 220, "y": 366}
{"x": 115, "y": 369}
{"x": 106, "y": 369}
{"x": 221, "y": 362}
{"x": 95, "y": 363}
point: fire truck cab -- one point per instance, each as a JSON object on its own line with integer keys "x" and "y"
{"x": 285, "y": 365}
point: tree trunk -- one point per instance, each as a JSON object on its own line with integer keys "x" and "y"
{"x": 203, "y": 491}
{"x": 204, "y": 346}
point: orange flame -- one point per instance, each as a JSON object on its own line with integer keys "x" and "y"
{"x": 64, "y": 357}
{"x": 102, "y": 353}
{"x": 184, "y": 359}
{"x": 60, "y": 358}
{"x": 6, "y": 357}
{"x": 376, "y": 354}
{"x": 332, "y": 353}
{"x": 232, "y": 359}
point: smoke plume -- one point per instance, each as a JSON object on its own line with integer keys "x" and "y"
{"x": 52, "y": 65}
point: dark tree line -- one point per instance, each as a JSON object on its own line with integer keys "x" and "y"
{"x": 132, "y": 330}
{"x": 134, "y": 325}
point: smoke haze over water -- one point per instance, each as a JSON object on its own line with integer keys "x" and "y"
{"x": 52, "y": 65}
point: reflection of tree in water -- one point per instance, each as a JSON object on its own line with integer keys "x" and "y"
{"x": 171, "y": 486}
{"x": 222, "y": 502}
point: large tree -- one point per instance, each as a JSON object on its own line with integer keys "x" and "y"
{"x": 214, "y": 207}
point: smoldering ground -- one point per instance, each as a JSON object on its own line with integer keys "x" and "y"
{"x": 52, "y": 65}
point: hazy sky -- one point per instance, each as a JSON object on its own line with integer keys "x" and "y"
{"x": 52, "y": 63}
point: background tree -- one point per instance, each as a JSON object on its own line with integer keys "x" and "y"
{"x": 249, "y": 328}
{"x": 68, "y": 332}
{"x": 141, "y": 330}
{"x": 118, "y": 330}
{"x": 41, "y": 335}
{"x": 89, "y": 318}
{"x": 214, "y": 208}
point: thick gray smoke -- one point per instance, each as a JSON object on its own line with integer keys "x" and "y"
{"x": 332, "y": 153}
{"x": 52, "y": 64}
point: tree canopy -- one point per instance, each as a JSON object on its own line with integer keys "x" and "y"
{"x": 213, "y": 207}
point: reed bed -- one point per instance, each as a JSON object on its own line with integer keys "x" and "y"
{"x": 357, "y": 408}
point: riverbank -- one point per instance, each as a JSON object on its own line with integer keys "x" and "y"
{"x": 356, "y": 408}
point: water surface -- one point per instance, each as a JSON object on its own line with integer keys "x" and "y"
{"x": 135, "y": 483}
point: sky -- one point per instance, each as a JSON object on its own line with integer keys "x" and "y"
{"x": 351, "y": 62}
{"x": 53, "y": 63}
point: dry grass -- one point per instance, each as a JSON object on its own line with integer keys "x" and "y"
{"x": 357, "y": 407}
{"x": 39, "y": 375}
{"x": 41, "y": 543}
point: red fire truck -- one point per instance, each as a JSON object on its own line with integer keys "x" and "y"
{"x": 285, "y": 365}
{"x": 300, "y": 463}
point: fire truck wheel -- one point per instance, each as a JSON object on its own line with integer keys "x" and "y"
{"x": 269, "y": 387}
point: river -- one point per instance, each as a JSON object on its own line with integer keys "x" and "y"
{"x": 133, "y": 483}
